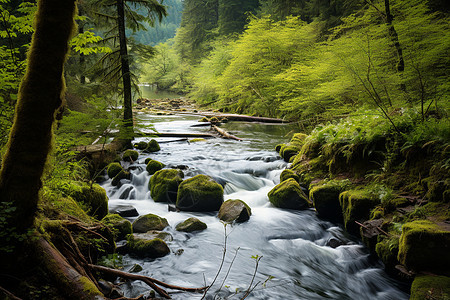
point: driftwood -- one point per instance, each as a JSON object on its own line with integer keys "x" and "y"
{"x": 225, "y": 134}
{"x": 236, "y": 117}
{"x": 148, "y": 280}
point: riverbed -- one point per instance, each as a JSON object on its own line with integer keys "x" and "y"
{"x": 295, "y": 261}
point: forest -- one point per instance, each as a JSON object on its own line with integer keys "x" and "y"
{"x": 359, "y": 91}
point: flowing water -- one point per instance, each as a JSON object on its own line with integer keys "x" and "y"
{"x": 296, "y": 262}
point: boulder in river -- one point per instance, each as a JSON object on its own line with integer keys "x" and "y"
{"x": 121, "y": 175}
{"x": 153, "y": 146}
{"x": 130, "y": 155}
{"x": 149, "y": 222}
{"x": 119, "y": 226}
{"x": 288, "y": 173}
{"x": 125, "y": 211}
{"x": 141, "y": 145}
{"x": 113, "y": 169}
{"x": 144, "y": 247}
{"x": 288, "y": 194}
{"x": 428, "y": 286}
{"x": 164, "y": 184}
{"x": 199, "y": 193}
{"x": 153, "y": 166}
{"x": 190, "y": 225}
{"x": 234, "y": 211}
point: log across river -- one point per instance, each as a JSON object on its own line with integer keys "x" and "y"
{"x": 297, "y": 261}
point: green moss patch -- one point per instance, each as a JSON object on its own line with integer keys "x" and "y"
{"x": 356, "y": 206}
{"x": 130, "y": 155}
{"x": 118, "y": 225}
{"x": 199, "y": 193}
{"x": 164, "y": 184}
{"x": 288, "y": 194}
{"x": 114, "y": 169}
{"x": 424, "y": 247}
{"x": 141, "y": 145}
{"x": 430, "y": 287}
{"x": 153, "y": 146}
{"x": 121, "y": 175}
{"x": 288, "y": 173}
{"x": 387, "y": 251}
{"x": 325, "y": 198}
{"x": 147, "y": 248}
{"x": 93, "y": 197}
{"x": 153, "y": 166}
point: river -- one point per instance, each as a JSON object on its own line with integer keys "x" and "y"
{"x": 296, "y": 262}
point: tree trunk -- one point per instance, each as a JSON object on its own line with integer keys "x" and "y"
{"x": 40, "y": 95}
{"x": 394, "y": 37}
{"x": 126, "y": 76}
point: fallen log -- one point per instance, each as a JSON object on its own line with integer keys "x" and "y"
{"x": 174, "y": 134}
{"x": 236, "y": 117}
{"x": 148, "y": 280}
{"x": 225, "y": 134}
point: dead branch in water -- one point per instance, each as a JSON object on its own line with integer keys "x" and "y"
{"x": 225, "y": 134}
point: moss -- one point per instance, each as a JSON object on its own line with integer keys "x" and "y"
{"x": 147, "y": 248}
{"x": 214, "y": 120}
{"x": 204, "y": 119}
{"x": 164, "y": 184}
{"x": 122, "y": 175}
{"x": 392, "y": 204}
{"x": 147, "y": 160}
{"x": 70, "y": 207}
{"x": 130, "y": 155}
{"x": 356, "y": 206}
{"x": 377, "y": 213}
{"x": 288, "y": 173}
{"x": 325, "y": 198}
{"x": 153, "y": 146}
{"x": 278, "y": 147}
{"x": 288, "y": 194}
{"x": 234, "y": 211}
{"x": 141, "y": 145}
{"x": 153, "y": 166}
{"x": 149, "y": 222}
{"x": 197, "y": 140}
{"x": 190, "y": 225}
{"x": 430, "y": 287}
{"x": 424, "y": 247}
{"x": 118, "y": 225}
{"x": 199, "y": 193}
{"x": 288, "y": 152}
{"x": 387, "y": 251}
{"x": 91, "y": 196}
{"x": 89, "y": 287}
{"x": 114, "y": 169}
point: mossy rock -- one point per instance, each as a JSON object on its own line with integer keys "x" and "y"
{"x": 164, "y": 184}
{"x": 190, "y": 225}
{"x": 430, "y": 287}
{"x": 424, "y": 246}
{"x": 141, "y": 145}
{"x": 204, "y": 119}
{"x": 153, "y": 146}
{"x": 114, "y": 169}
{"x": 278, "y": 147}
{"x": 214, "y": 120}
{"x": 154, "y": 234}
{"x": 118, "y": 225}
{"x": 288, "y": 194}
{"x": 387, "y": 251}
{"x": 130, "y": 155}
{"x": 70, "y": 207}
{"x": 392, "y": 204}
{"x": 199, "y": 193}
{"x": 147, "y": 160}
{"x": 356, "y": 206}
{"x": 122, "y": 175}
{"x": 93, "y": 198}
{"x": 153, "y": 248}
{"x": 325, "y": 198}
{"x": 288, "y": 173}
{"x": 153, "y": 166}
{"x": 288, "y": 152}
{"x": 234, "y": 211}
{"x": 149, "y": 222}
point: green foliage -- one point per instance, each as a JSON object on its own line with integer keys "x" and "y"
{"x": 85, "y": 43}
{"x": 114, "y": 261}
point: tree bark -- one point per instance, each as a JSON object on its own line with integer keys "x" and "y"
{"x": 394, "y": 36}
{"x": 40, "y": 95}
{"x": 125, "y": 64}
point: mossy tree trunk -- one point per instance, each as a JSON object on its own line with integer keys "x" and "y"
{"x": 40, "y": 96}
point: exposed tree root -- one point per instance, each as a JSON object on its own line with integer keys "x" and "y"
{"x": 148, "y": 280}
